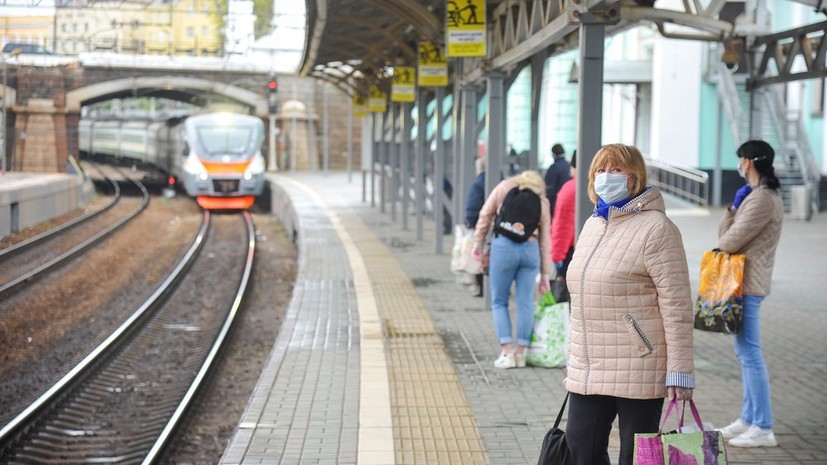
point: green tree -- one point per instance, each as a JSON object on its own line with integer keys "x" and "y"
{"x": 263, "y": 9}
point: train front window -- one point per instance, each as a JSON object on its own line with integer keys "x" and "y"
{"x": 221, "y": 140}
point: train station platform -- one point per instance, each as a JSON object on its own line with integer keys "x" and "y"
{"x": 27, "y": 199}
{"x": 384, "y": 358}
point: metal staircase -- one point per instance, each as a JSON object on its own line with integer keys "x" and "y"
{"x": 780, "y": 127}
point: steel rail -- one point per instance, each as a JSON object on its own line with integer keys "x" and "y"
{"x": 16, "y": 248}
{"x": 155, "y": 452}
{"x": 17, "y": 426}
{"x": 7, "y": 287}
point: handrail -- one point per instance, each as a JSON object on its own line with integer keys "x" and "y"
{"x": 792, "y": 135}
{"x": 682, "y": 181}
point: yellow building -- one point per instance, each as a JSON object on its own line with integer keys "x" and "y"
{"x": 186, "y": 27}
{"x": 157, "y": 27}
{"x": 100, "y": 26}
{"x": 26, "y": 29}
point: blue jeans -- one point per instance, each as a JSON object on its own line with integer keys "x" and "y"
{"x": 518, "y": 263}
{"x": 757, "y": 408}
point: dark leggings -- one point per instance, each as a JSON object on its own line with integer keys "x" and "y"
{"x": 590, "y": 422}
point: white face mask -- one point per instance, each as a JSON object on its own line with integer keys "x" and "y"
{"x": 611, "y": 187}
{"x": 741, "y": 171}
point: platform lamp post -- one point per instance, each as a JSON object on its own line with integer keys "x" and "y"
{"x": 4, "y": 133}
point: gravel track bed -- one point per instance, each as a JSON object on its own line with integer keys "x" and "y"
{"x": 27, "y": 260}
{"x": 49, "y": 326}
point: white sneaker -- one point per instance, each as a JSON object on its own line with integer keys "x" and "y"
{"x": 754, "y": 437}
{"x": 505, "y": 361}
{"x": 735, "y": 428}
{"x": 520, "y": 360}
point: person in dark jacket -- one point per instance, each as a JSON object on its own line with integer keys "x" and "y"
{"x": 557, "y": 174}
{"x": 476, "y": 195}
{"x": 473, "y": 204}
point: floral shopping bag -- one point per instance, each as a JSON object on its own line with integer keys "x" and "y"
{"x": 549, "y": 341}
{"x": 680, "y": 448}
{"x": 720, "y": 303}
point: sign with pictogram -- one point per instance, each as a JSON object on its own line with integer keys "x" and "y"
{"x": 404, "y": 87}
{"x": 378, "y": 100}
{"x": 360, "y": 105}
{"x": 433, "y": 66}
{"x": 465, "y": 28}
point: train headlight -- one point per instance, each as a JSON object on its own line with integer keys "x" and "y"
{"x": 255, "y": 167}
{"x": 194, "y": 167}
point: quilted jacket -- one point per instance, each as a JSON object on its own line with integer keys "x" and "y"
{"x": 754, "y": 230}
{"x": 631, "y": 309}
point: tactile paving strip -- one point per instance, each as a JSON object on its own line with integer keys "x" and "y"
{"x": 432, "y": 420}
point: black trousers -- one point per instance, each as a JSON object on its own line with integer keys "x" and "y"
{"x": 590, "y": 422}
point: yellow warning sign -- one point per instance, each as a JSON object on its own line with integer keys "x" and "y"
{"x": 378, "y": 100}
{"x": 433, "y": 66}
{"x": 465, "y": 28}
{"x": 404, "y": 88}
{"x": 360, "y": 105}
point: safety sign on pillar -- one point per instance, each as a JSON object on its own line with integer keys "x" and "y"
{"x": 465, "y": 28}
{"x": 377, "y": 100}
{"x": 433, "y": 66}
{"x": 404, "y": 87}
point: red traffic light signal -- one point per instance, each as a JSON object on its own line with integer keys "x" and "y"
{"x": 273, "y": 85}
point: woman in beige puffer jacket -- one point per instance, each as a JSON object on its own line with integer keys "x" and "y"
{"x": 752, "y": 226}
{"x": 631, "y": 311}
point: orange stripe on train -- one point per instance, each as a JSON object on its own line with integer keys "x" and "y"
{"x": 225, "y": 168}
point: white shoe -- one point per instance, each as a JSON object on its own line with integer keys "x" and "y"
{"x": 754, "y": 437}
{"x": 505, "y": 361}
{"x": 735, "y": 428}
{"x": 520, "y": 360}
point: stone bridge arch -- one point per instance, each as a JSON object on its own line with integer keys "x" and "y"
{"x": 172, "y": 86}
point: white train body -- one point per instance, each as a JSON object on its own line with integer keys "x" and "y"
{"x": 215, "y": 156}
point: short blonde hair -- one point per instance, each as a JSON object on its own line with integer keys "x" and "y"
{"x": 627, "y": 157}
{"x": 530, "y": 179}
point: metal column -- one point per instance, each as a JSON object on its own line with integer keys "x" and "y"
{"x": 375, "y": 154}
{"x": 419, "y": 164}
{"x": 439, "y": 165}
{"x": 325, "y": 132}
{"x": 465, "y": 159}
{"x": 405, "y": 122}
{"x": 756, "y": 109}
{"x": 394, "y": 163}
{"x": 592, "y": 34}
{"x": 456, "y": 146}
{"x": 383, "y": 158}
{"x": 538, "y": 63}
{"x": 494, "y": 123}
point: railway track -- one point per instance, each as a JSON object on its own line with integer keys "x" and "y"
{"x": 122, "y": 402}
{"x": 26, "y": 261}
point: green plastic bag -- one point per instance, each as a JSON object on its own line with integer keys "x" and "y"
{"x": 549, "y": 341}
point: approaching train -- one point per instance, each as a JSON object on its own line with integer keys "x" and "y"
{"x": 215, "y": 156}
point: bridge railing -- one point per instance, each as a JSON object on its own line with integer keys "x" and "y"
{"x": 689, "y": 184}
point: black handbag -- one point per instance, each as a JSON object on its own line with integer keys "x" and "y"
{"x": 555, "y": 450}
{"x": 560, "y": 290}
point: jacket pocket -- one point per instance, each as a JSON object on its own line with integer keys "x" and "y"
{"x": 644, "y": 346}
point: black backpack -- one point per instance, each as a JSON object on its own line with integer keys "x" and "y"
{"x": 519, "y": 215}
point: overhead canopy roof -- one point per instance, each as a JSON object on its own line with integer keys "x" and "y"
{"x": 360, "y": 39}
